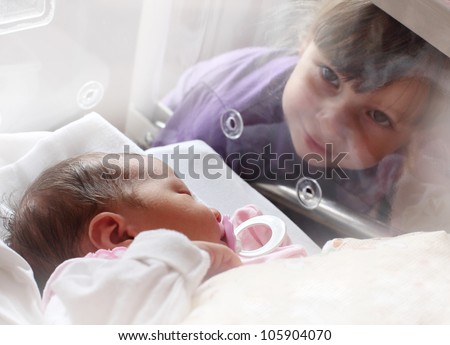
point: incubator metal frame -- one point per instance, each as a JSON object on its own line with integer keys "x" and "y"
{"x": 341, "y": 220}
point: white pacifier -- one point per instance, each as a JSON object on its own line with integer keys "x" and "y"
{"x": 275, "y": 224}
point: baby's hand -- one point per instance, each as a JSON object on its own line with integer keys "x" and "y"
{"x": 222, "y": 257}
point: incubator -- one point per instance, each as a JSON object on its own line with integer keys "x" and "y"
{"x": 343, "y": 157}
{"x": 63, "y": 59}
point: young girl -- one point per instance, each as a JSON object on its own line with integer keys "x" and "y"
{"x": 81, "y": 216}
{"x": 341, "y": 110}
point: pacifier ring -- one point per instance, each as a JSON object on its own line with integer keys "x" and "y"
{"x": 276, "y": 225}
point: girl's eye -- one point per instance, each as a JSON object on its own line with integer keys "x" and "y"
{"x": 329, "y": 75}
{"x": 380, "y": 118}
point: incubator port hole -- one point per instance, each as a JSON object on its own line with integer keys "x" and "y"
{"x": 231, "y": 123}
{"x": 308, "y": 192}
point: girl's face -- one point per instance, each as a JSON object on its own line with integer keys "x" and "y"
{"x": 321, "y": 108}
{"x": 169, "y": 204}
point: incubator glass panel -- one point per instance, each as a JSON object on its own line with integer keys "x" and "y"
{"x": 338, "y": 114}
{"x": 25, "y": 14}
{"x": 61, "y": 59}
{"x": 343, "y": 125}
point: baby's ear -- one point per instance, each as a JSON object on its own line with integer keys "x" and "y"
{"x": 108, "y": 230}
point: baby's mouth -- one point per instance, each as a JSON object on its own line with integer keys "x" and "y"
{"x": 227, "y": 230}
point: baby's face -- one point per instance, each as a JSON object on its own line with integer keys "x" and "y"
{"x": 169, "y": 204}
{"x": 321, "y": 108}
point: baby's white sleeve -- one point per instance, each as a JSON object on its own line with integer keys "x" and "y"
{"x": 152, "y": 283}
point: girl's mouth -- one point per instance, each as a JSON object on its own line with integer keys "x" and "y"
{"x": 314, "y": 145}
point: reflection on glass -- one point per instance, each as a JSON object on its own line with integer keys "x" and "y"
{"x": 340, "y": 107}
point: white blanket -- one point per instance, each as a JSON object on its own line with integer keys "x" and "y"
{"x": 402, "y": 280}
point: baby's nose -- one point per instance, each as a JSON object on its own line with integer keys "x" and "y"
{"x": 216, "y": 214}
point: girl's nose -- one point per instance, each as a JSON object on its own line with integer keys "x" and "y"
{"x": 216, "y": 214}
{"x": 335, "y": 119}
{"x": 333, "y": 111}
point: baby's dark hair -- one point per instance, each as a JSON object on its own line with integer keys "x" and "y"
{"x": 48, "y": 223}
